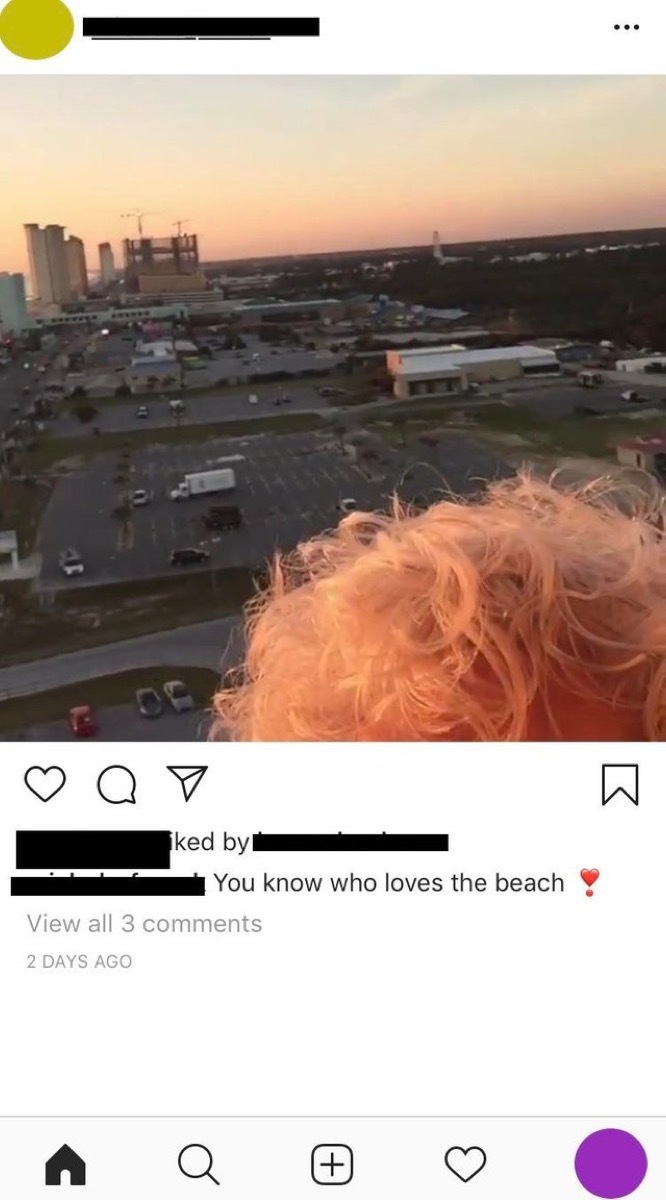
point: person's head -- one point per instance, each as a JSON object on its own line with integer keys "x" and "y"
{"x": 530, "y": 614}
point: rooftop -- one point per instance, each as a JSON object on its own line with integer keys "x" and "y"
{"x": 655, "y": 443}
{"x": 413, "y": 362}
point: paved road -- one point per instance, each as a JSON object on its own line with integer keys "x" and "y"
{"x": 213, "y": 644}
{"x": 231, "y": 405}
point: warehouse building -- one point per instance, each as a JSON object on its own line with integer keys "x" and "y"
{"x": 447, "y": 370}
{"x": 653, "y": 364}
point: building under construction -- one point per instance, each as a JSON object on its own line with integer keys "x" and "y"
{"x": 157, "y": 265}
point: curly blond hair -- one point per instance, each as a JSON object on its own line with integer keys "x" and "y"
{"x": 532, "y": 613}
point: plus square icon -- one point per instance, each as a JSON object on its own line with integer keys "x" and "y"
{"x": 332, "y": 1164}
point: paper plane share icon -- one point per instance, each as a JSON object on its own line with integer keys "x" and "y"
{"x": 189, "y": 778}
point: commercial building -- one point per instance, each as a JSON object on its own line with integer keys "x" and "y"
{"x": 153, "y": 374}
{"x": 646, "y": 453}
{"x": 297, "y": 312}
{"x": 107, "y": 265}
{"x": 76, "y": 264}
{"x": 13, "y": 307}
{"x": 49, "y": 266}
{"x": 446, "y": 370}
{"x": 156, "y": 265}
{"x": 652, "y": 363}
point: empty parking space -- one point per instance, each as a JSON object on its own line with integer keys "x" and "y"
{"x": 288, "y": 488}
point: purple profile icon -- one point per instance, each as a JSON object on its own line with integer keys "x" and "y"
{"x": 611, "y": 1163}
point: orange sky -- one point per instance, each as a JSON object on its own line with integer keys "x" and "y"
{"x": 276, "y": 165}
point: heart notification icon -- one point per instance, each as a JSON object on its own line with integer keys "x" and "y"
{"x": 589, "y": 876}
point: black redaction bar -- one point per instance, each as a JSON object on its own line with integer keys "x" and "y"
{"x": 327, "y": 842}
{"x": 120, "y": 850}
{"x": 108, "y": 885}
{"x": 200, "y": 27}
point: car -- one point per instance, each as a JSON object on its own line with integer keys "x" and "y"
{"x": 70, "y": 562}
{"x": 332, "y": 391}
{"x": 347, "y": 505}
{"x": 253, "y": 399}
{"x": 188, "y": 557}
{"x": 140, "y": 498}
{"x": 633, "y": 398}
{"x": 82, "y": 721}
{"x": 148, "y": 702}
{"x": 227, "y": 516}
{"x": 178, "y": 696}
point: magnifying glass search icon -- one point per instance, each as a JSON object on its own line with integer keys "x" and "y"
{"x": 196, "y": 1162}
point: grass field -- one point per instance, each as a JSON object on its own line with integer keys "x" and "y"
{"x": 86, "y": 617}
{"x": 105, "y": 692}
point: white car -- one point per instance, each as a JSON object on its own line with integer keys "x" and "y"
{"x": 142, "y": 412}
{"x": 253, "y": 400}
{"x": 70, "y": 563}
{"x": 178, "y": 696}
{"x": 140, "y": 498}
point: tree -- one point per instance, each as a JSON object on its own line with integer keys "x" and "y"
{"x": 85, "y": 413}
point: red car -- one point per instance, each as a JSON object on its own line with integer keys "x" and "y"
{"x": 82, "y": 721}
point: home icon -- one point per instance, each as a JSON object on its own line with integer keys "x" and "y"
{"x": 65, "y": 1160}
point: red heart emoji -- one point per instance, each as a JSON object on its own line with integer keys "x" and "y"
{"x": 589, "y": 876}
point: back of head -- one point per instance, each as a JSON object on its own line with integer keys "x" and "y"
{"x": 533, "y": 613}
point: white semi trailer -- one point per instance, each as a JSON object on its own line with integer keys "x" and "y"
{"x": 204, "y": 483}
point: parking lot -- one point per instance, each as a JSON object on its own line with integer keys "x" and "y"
{"x": 288, "y": 488}
{"x": 555, "y": 401}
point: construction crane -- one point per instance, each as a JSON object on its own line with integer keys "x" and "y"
{"x": 137, "y": 216}
{"x": 179, "y": 225}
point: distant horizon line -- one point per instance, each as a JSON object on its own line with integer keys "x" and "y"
{"x": 402, "y": 248}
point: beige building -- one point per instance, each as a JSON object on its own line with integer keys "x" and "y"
{"x": 107, "y": 265}
{"x": 76, "y": 265}
{"x": 444, "y": 371}
{"x": 646, "y": 453}
{"x": 49, "y": 267}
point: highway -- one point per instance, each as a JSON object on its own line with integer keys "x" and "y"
{"x": 214, "y": 644}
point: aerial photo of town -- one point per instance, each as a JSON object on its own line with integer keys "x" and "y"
{"x": 233, "y": 310}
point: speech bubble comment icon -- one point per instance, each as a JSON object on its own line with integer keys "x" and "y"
{"x": 117, "y": 785}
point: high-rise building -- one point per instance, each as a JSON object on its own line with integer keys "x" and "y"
{"x": 49, "y": 268}
{"x": 13, "y": 308}
{"x": 76, "y": 265}
{"x": 107, "y": 266}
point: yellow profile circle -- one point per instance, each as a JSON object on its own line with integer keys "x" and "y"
{"x": 36, "y": 28}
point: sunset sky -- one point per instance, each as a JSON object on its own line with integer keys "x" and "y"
{"x": 272, "y": 165}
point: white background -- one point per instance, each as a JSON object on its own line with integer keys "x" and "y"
{"x": 370, "y": 1004}
{"x": 514, "y": 37}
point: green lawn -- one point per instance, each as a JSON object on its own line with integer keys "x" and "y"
{"x": 105, "y": 692}
{"x": 53, "y": 450}
{"x": 85, "y": 617}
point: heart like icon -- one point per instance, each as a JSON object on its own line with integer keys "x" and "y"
{"x": 44, "y": 782}
{"x": 465, "y": 1164}
{"x": 589, "y": 876}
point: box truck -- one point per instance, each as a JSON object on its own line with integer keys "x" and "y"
{"x": 204, "y": 483}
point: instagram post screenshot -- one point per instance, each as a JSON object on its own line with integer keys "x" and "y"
{"x": 332, "y": 601}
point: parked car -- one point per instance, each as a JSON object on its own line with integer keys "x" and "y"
{"x": 70, "y": 563}
{"x": 188, "y": 557}
{"x": 142, "y": 412}
{"x": 223, "y": 516}
{"x": 634, "y": 398}
{"x": 178, "y": 696}
{"x": 332, "y": 391}
{"x": 140, "y": 498}
{"x": 82, "y": 721}
{"x": 148, "y": 702}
